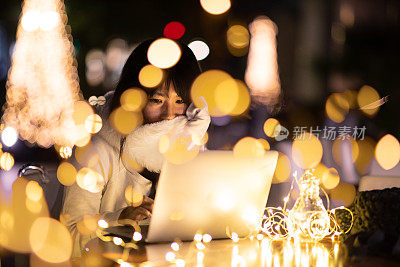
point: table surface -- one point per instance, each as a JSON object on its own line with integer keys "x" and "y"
{"x": 245, "y": 252}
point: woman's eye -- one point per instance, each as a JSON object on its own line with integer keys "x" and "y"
{"x": 180, "y": 101}
{"x": 155, "y": 100}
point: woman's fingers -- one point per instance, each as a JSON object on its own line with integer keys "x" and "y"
{"x": 141, "y": 211}
{"x": 135, "y": 213}
{"x": 147, "y": 203}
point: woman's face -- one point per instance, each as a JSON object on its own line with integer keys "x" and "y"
{"x": 165, "y": 104}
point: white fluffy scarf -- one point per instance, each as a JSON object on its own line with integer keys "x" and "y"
{"x": 142, "y": 144}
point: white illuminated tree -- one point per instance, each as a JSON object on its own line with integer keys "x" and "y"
{"x": 43, "y": 83}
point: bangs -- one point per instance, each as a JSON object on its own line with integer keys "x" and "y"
{"x": 181, "y": 85}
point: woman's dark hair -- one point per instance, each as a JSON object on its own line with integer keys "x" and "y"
{"x": 181, "y": 75}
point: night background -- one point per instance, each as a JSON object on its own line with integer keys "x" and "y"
{"x": 323, "y": 47}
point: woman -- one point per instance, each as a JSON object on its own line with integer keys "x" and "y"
{"x": 167, "y": 110}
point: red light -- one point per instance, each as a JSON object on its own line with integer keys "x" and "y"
{"x": 174, "y": 30}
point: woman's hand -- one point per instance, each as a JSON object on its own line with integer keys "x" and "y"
{"x": 138, "y": 213}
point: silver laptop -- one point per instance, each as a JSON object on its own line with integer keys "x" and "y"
{"x": 215, "y": 193}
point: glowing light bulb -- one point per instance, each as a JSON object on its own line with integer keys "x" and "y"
{"x": 308, "y": 219}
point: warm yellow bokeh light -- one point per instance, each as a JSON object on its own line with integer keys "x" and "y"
{"x": 337, "y": 107}
{"x": 387, "y": 152}
{"x": 271, "y": 127}
{"x": 366, "y": 149}
{"x": 226, "y": 96}
{"x": 65, "y": 152}
{"x": 243, "y": 101}
{"x": 131, "y": 163}
{"x": 6, "y": 161}
{"x": 330, "y": 178}
{"x": 248, "y": 147}
{"x": 17, "y": 215}
{"x": 50, "y": 240}
{"x": 339, "y": 150}
{"x": 215, "y": 7}
{"x": 238, "y": 38}
{"x": 164, "y": 53}
{"x": 125, "y": 121}
{"x": 206, "y": 85}
{"x": 66, "y": 173}
{"x": 366, "y": 96}
{"x": 264, "y": 143}
{"x": 176, "y": 149}
{"x": 133, "y": 99}
{"x": 35, "y": 261}
{"x": 90, "y": 180}
{"x": 34, "y": 191}
{"x": 283, "y": 169}
{"x": 133, "y": 196}
{"x": 82, "y": 110}
{"x": 343, "y": 192}
{"x": 306, "y": 151}
{"x": 83, "y": 137}
{"x": 33, "y": 206}
{"x": 88, "y": 224}
{"x": 93, "y": 123}
{"x": 150, "y": 76}
{"x": 351, "y": 97}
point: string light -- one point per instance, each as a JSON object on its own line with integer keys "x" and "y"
{"x": 308, "y": 220}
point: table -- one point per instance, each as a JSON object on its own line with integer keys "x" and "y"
{"x": 226, "y": 252}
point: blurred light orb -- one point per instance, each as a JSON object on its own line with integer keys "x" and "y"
{"x": 176, "y": 149}
{"x": 6, "y": 161}
{"x": 337, "y": 107}
{"x": 31, "y": 20}
{"x": 137, "y": 236}
{"x": 238, "y": 39}
{"x": 271, "y": 127}
{"x": 88, "y": 224}
{"x": 50, "y": 240}
{"x": 248, "y": 147}
{"x": 82, "y": 110}
{"x": 95, "y": 67}
{"x": 264, "y": 143}
{"x": 330, "y": 178}
{"x": 65, "y": 152}
{"x": 150, "y": 76}
{"x": 49, "y": 20}
{"x": 226, "y": 95}
{"x": 34, "y": 191}
{"x": 66, "y": 173}
{"x": 125, "y": 121}
{"x": 214, "y": 84}
{"x": 174, "y": 30}
{"x": 243, "y": 101}
{"x": 366, "y": 96}
{"x": 215, "y": 7}
{"x": 200, "y": 49}
{"x": 93, "y": 123}
{"x": 90, "y": 180}
{"x": 82, "y": 136}
{"x": 133, "y": 99}
{"x": 366, "y": 149}
{"x": 116, "y": 54}
{"x": 164, "y": 53}
{"x": 344, "y": 193}
{"x": 340, "y": 150}
{"x": 9, "y": 136}
{"x": 283, "y": 169}
{"x": 387, "y": 152}
{"x": 306, "y": 151}
{"x": 133, "y": 197}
